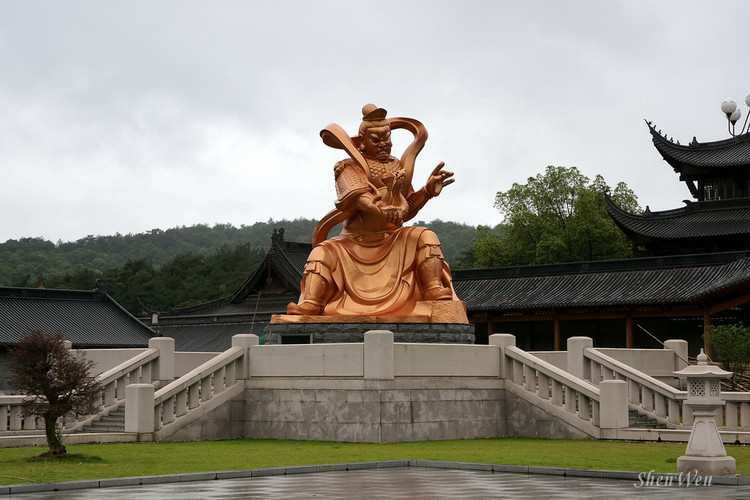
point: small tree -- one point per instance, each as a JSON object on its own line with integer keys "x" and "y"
{"x": 56, "y": 381}
{"x": 731, "y": 344}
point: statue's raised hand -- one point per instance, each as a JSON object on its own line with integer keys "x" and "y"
{"x": 438, "y": 179}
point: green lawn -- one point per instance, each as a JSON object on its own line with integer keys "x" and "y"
{"x": 19, "y": 465}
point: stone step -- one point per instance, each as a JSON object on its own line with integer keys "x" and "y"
{"x": 114, "y": 422}
{"x": 640, "y": 421}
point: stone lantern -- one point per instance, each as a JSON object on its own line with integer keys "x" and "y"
{"x": 705, "y": 454}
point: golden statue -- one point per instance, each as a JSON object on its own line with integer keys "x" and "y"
{"x": 377, "y": 267}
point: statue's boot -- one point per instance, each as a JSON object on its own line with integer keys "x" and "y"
{"x": 430, "y": 274}
{"x": 436, "y": 291}
{"x": 304, "y": 309}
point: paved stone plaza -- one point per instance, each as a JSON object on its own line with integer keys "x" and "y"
{"x": 401, "y": 483}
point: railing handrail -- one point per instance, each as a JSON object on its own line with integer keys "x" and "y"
{"x": 196, "y": 374}
{"x": 553, "y": 372}
{"x": 128, "y": 366}
{"x": 12, "y": 399}
{"x": 735, "y": 396}
{"x": 640, "y": 377}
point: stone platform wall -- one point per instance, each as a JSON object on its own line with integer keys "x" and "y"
{"x": 320, "y": 333}
{"x": 377, "y": 412}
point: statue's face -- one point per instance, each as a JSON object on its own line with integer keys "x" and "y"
{"x": 376, "y": 142}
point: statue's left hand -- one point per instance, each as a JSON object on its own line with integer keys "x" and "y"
{"x": 438, "y": 179}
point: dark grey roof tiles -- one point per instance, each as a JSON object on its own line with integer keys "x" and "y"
{"x": 660, "y": 284}
{"x": 728, "y": 153}
{"x": 208, "y": 337}
{"x": 701, "y": 219}
{"x": 89, "y": 319}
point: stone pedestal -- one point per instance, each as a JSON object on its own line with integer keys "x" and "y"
{"x": 329, "y": 332}
{"x": 434, "y": 321}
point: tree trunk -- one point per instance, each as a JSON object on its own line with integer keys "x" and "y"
{"x": 56, "y": 447}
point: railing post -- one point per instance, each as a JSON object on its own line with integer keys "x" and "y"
{"x": 245, "y": 340}
{"x": 530, "y": 382}
{"x": 517, "y": 372}
{"x": 146, "y": 377}
{"x": 543, "y": 386}
{"x": 680, "y": 348}
{"x": 557, "y": 393}
{"x": 122, "y": 383}
{"x": 745, "y": 414}
{"x": 205, "y": 385}
{"x": 613, "y": 404}
{"x": 634, "y": 392}
{"x": 379, "y": 362}
{"x": 570, "y": 399}
{"x": 139, "y": 408}
{"x": 577, "y": 365}
{"x": 3, "y": 417}
{"x": 503, "y": 340}
{"x": 109, "y": 393}
{"x": 584, "y": 409}
{"x": 647, "y": 398}
{"x": 165, "y": 370}
{"x": 181, "y": 403}
{"x": 673, "y": 406}
{"x": 16, "y": 418}
{"x": 193, "y": 399}
{"x": 731, "y": 415}
{"x": 595, "y": 372}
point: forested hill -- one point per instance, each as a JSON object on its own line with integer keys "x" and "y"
{"x": 29, "y": 261}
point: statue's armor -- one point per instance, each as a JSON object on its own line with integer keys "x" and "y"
{"x": 351, "y": 181}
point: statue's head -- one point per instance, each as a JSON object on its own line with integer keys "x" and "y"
{"x": 375, "y": 133}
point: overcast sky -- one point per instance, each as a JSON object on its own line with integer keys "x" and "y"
{"x": 127, "y": 116}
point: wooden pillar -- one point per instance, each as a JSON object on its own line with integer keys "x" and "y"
{"x": 628, "y": 329}
{"x": 707, "y": 331}
{"x": 558, "y": 341}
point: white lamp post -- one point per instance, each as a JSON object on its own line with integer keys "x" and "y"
{"x": 733, "y": 114}
{"x": 705, "y": 454}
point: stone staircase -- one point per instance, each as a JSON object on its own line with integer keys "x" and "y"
{"x": 113, "y": 422}
{"x": 641, "y": 421}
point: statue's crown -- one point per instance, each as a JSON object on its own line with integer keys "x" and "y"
{"x": 372, "y": 113}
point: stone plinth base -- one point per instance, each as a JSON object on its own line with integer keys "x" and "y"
{"x": 330, "y": 332}
{"x": 426, "y": 311}
{"x": 707, "y": 466}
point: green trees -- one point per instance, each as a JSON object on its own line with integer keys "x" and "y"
{"x": 731, "y": 345}
{"x": 558, "y": 216}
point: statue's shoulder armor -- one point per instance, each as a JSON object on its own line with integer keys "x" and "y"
{"x": 350, "y": 179}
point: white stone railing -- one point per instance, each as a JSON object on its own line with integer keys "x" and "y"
{"x": 645, "y": 394}
{"x": 12, "y": 419}
{"x": 549, "y": 383}
{"x": 189, "y": 395}
{"x": 152, "y": 366}
{"x": 736, "y": 411}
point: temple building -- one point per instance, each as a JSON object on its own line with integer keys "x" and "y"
{"x": 717, "y": 175}
{"x": 692, "y": 271}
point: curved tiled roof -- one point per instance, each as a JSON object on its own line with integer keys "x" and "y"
{"x": 86, "y": 318}
{"x": 702, "y": 219}
{"x": 651, "y": 281}
{"x": 728, "y": 153}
